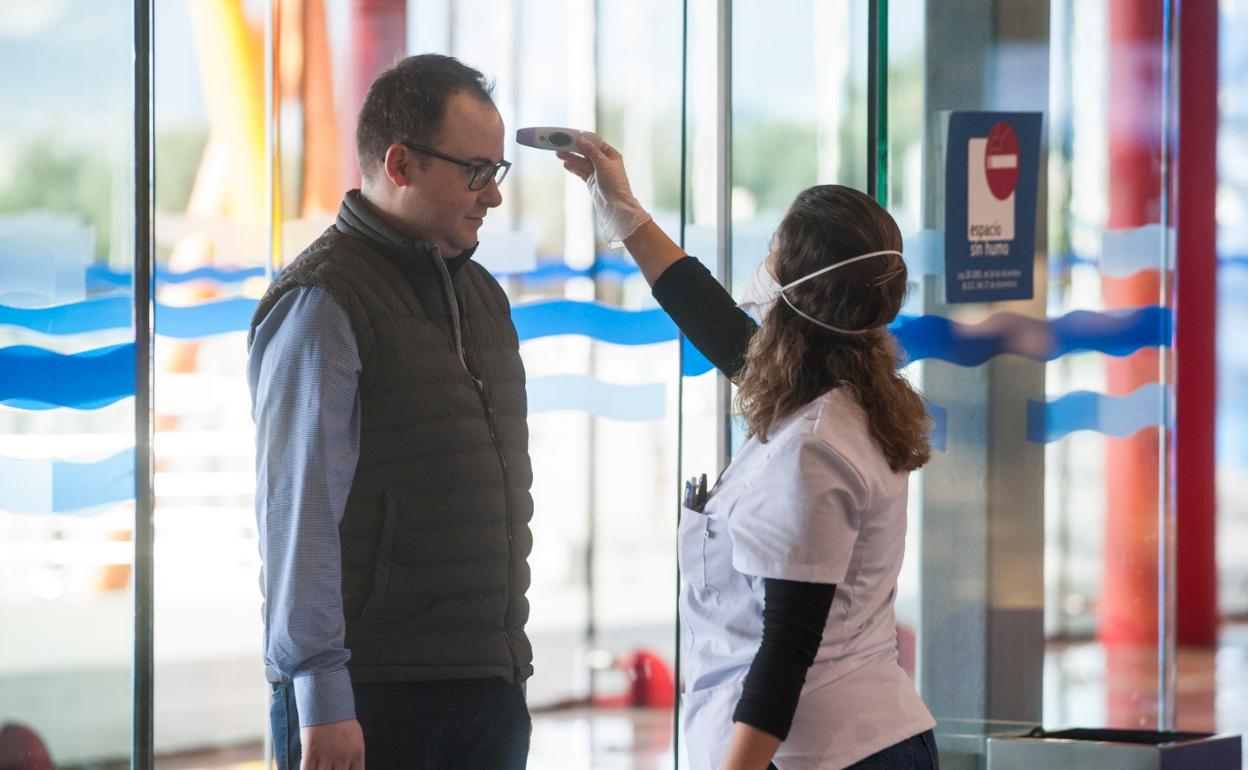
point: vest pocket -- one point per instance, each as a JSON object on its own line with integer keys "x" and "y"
{"x": 374, "y": 606}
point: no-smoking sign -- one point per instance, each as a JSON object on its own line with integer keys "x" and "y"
{"x": 1001, "y": 161}
{"x": 991, "y": 173}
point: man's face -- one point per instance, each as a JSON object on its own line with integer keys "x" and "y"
{"x": 436, "y": 202}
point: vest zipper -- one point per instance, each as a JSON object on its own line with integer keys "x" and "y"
{"x": 449, "y": 286}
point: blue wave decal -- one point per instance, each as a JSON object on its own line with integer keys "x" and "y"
{"x": 582, "y": 393}
{"x": 65, "y": 486}
{"x": 74, "y": 318}
{"x": 33, "y": 378}
{"x": 1125, "y": 255}
{"x": 606, "y": 266}
{"x": 1115, "y": 333}
{"x": 1084, "y": 410}
{"x": 1224, "y": 261}
{"x": 190, "y": 322}
{"x": 939, "y": 437}
{"x": 102, "y": 276}
{"x": 1126, "y": 252}
{"x": 84, "y": 485}
{"x": 547, "y": 318}
{"x": 102, "y": 279}
{"x": 1075, "y": 257}
{"x": 533, "y": 320}
{"x": 693, "y": 362}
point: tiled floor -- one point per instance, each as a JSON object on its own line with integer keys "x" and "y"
{"x": 569, "y": 739}
{"x": 1084, "y": 686}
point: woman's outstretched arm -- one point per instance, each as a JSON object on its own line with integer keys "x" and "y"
{"x": 700, "y": 306}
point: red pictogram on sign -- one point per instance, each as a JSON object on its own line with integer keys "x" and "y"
{"x": 1001, "y": 161}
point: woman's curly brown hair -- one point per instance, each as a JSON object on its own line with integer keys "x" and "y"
{"x": 791, "y": 361}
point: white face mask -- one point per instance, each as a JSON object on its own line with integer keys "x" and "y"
{"x": 761, "y": 295}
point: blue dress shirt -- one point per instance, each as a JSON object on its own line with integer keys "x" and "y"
{"x": 303, "y": 371}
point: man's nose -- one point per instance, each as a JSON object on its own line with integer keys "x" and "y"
{"x": 490, "y": 195}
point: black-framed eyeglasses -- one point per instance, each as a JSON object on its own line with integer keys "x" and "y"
{"x": 481, "y": 174}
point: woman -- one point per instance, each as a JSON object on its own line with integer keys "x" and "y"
{"x": 789, "y": 569}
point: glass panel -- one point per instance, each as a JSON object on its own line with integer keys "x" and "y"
{"x": 799, "y": 113}
{"x": 901, "y": 172}
{"x": 1109, "y": 254}
{"x": 1040, "y": 531}
{"x": 67, "y": 351}
{"x": 701, "y": 405}
{"x": 1229, "y": 700}
{"x": 972, "y": 587}
{"x": 1233, "y": 312}
{"x": 211, "y": 250}
{"x": 639, "y": 48}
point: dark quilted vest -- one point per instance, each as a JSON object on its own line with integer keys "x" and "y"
{"x": 436, "y": 535}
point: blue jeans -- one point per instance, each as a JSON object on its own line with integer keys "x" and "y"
{"x": 460, "y": 724}
{"x": 915, "y": 753}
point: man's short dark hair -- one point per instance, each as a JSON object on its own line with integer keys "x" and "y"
{"x": 407, "y": 102}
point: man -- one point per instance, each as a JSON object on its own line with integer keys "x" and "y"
{"x": 392, "y": 491}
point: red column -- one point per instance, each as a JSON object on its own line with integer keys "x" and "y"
{"x": 1128, "y": 608}
{"x": 1128, "y": 602}
{"x": 1127, "y": 621}
{"x": 378, "y": 39}
{"x": 322, "y": 146}
{"x": 1195, "y": 363}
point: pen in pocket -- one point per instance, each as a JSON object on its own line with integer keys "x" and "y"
{"x": 695, "y": 493}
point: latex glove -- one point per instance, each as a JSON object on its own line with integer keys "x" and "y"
{"x": 602, "y": 168}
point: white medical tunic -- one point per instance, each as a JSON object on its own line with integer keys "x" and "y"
{"x": 817, "y": 503}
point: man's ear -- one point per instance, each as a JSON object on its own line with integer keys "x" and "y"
{"x": 399, "y": 164}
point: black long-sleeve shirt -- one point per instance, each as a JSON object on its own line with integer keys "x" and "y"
{"x": 706, "y": 314}
{"x": 794, "y": 613}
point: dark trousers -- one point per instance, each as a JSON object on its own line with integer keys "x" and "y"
{"x": 460, "y": 724}
{"x": 915, "y": 753}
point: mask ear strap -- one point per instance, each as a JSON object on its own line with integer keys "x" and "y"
{"x": 840, "y": 264}
{"x": 886, "y": 277}
{"x": 817, "y": 322}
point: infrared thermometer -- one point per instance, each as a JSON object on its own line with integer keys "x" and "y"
{"x": 554, "y": 138}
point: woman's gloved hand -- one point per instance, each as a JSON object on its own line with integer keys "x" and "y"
{"x": 602, "y": 168}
